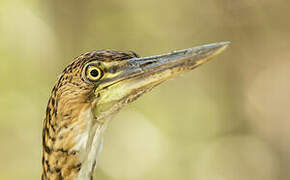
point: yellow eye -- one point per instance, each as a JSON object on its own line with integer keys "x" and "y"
{"x": 94, "y": 73}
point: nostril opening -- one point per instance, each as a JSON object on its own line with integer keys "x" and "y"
{"x": 147, "y": 63}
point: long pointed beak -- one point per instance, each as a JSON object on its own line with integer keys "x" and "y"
{"x": 136, "y": 76}
{"x": 177, "y": 61}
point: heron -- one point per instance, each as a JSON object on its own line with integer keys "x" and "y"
{"x": 94, "y": 87}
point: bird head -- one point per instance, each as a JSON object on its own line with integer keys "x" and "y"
{"x": 111, "y": 79}
{"x": 92, "y": 88}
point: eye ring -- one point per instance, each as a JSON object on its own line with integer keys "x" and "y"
{"x": 93, "y": 73}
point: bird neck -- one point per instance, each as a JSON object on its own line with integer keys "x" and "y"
{"x": 72, "y": 139}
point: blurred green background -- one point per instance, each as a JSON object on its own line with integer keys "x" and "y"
{"x": 226, "y": 120}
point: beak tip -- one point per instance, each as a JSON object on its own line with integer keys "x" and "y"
{"x": 214, "y": 48}
{"x": 222, "y": 46}
{"x": 218, "y": 45}
{"x": 206, "y": 52}
{"x": 225, "y": 43}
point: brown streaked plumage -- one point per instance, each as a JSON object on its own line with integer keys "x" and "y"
{"x": 92, "y": 88}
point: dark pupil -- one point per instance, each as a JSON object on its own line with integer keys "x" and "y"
{"x": 94, "y": 73}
